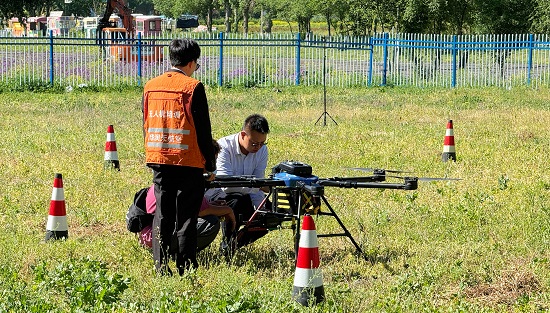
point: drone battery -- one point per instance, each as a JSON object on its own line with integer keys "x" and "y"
{"x": 292, "y": 180}
{"x": 295, "y": 167}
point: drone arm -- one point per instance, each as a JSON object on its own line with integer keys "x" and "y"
{"x": 410, "y": 183}
{"x": 374, "y": 178}
{"x": 251, "y": 183}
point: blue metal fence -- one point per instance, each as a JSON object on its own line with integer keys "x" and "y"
{"x": 277, "y": 60}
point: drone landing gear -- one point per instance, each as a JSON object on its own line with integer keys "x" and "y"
{"x": 332, "y": 213}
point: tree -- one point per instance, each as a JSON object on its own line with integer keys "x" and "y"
{"x": 360, "y": 17}
{"x": 174, "y": 8}
{"x": 459, "y": 15}
{"x": 25, "y": 8}
{"x": 541, "y": 17}
{"x": 416, "y": 16}
{"x": 299, "y": 11}
{"x": 165, "y": 7}
{"x": 227, "y": 17}
{"x": 84, "y": 7}
{"x": 504, "y": 16}
{"x": 236, "y": 10}
{"x": 333, "y": 11}
{"x": 247, "y": 6}
{"x": 388, "y": 14}
{"x": 268, "y": 10}
{"x": 141, "y": 6}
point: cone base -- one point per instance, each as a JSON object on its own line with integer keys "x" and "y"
{"x": 303, "y": 295}
{"x": 51, "y": 234}
{"x": 446, "y": 156}
{"x": 112, "y": 164}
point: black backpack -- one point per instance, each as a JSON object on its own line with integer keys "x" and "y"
{"x": 137, "y": 217}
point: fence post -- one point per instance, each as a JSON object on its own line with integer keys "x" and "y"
{"x": 139, "y": 59}
{"x": 220, "y": 69}
{"x": 530, "y": 59}
{"x": 51, "y": 57}
{"x": 298, "y": 43}
{"x": 371, "y": 55}
{"x": 453, "y": 80}
{"x": 385, "y": 64}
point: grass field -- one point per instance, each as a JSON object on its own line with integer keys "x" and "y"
{"x": 476, "y": 245}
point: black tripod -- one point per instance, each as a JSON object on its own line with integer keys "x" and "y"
{"x": 325, "y": 113}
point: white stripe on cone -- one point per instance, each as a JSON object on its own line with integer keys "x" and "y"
{"x": 111, "y": 156}
{"x": 308, "y": 277}
{"x": 449, "y": 149}
{"x": 58, "y": 194}
{"x": 57, "y": 223}
{"x": 308, "y": 239}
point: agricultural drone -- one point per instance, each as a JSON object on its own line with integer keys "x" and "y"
{"x": 295, "y": 191}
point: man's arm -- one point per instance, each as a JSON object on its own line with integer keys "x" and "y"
{"x": 223, "y": 164}
{"x": 221, "y": 211}
{"x": 201, "y": 118}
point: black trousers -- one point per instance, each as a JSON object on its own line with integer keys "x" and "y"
{"x": 179, "y": 191}
{"x": 244, "y": 209}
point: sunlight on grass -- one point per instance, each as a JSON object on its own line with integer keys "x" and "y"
{"x": 478, "y": 244}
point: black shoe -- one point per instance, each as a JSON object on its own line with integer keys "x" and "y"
{"x": 187, "y": 265}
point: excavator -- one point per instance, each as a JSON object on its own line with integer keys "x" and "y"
{"x": 118, "y": 43}
{"x": 122, "y": 11}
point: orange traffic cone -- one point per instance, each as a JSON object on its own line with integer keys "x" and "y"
{"x": 111, "y": 155}
{"x": 449, "y": 152}
{"x": 57, "y": 220}
{"x": 308, "y": 279}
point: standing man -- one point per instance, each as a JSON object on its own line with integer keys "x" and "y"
{"x": 178, "y": 149}
{"x": 244, "y": 153}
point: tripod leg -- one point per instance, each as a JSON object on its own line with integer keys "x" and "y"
{"x": 332, "y": 118}
{"x": 323, "y": 114}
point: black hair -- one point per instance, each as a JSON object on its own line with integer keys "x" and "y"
{"x": 183, "y": 51}
{"x": 256, "y": 122}
{"x": 216, "y": 145}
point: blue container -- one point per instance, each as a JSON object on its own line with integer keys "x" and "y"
{"x": 291, "y": 180}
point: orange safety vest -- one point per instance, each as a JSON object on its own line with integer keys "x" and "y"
{"x": 170, "y": 135}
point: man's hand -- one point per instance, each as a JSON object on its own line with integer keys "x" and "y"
{"x": 219, "y": 202}
{"x": 210, "y": 176}
{"x": 230, "y": 220}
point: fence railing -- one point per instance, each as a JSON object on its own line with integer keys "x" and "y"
{"x": 284, "y": 59}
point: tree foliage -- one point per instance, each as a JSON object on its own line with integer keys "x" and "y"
{"x": 541, "y": 17}
{"x": 347, "y": 17}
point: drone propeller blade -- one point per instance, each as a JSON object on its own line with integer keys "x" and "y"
{"x": 369, "y": 169}
{"x": 436, "y": 178}
{"x": 427, "y": 178}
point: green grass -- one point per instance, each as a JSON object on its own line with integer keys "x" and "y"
{"x": 476, "y": 245}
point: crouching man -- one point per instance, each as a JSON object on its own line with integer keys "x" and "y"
{"x": 140, "y": 218}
